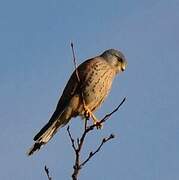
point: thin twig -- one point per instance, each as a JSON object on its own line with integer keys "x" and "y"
{"x": 76, "y": 72}
{"x": 72, "y": 140}
{"x": 107, "y": 116}
{"x": 74, "y": 61}
{"x": 47, "y": 173}
{"x": 91, "y": 154}
{"x": 85, "y": 125}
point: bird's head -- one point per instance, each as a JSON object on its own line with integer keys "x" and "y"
{"x": 116, "y": 59}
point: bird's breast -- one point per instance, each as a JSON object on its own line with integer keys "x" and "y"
{"x": 96, "y": 84}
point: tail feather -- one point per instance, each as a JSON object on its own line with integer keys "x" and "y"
{"x": 48, "y": 132}
{"x": 54, "y": 118}
{"x": 35, "y": 147}
{"x": 57, "y": 121}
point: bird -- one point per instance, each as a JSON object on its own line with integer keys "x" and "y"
{"x": 83, "y": 94}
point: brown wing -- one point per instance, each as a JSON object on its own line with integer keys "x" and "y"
{"x": 69, "y": 91}
{"x": 73, "y": 86}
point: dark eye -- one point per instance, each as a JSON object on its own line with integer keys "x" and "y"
{"x": 120, "y": 59}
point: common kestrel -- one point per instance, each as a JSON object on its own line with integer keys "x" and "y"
{"x": 84, "y": 95}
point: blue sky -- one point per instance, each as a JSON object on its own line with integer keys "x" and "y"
{"x": 36, "y": 62}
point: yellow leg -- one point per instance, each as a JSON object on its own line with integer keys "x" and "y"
{"x": 89, "y": 114}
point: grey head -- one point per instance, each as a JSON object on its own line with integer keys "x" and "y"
{"x": 115, "y": 58}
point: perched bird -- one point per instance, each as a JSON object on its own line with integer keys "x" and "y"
{"x": 85, "y": 91}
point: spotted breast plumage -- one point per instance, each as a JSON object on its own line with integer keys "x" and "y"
{"x": 83, "y": 95}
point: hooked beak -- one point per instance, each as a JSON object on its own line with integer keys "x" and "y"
{"x": 123, "y": 66}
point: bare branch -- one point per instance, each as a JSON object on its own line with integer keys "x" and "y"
{"x": 76, "y": 71}
{"x": 107, "y": 116}
{"x": 80, "y": 141}
{"x": 91, "y": 154}
{"x": 86, "y": 122}
{"x": 72, "y": 140}
{"x": 74, "y": 61}
{"x": 47, "y": 173}
{"x": 76, "y": 167}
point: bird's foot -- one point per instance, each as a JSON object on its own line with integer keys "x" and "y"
{"x": 99, "y": 125}
{"x": 88, "y": 113}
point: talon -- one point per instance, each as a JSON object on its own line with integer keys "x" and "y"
{"x": 99, "y": 125}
